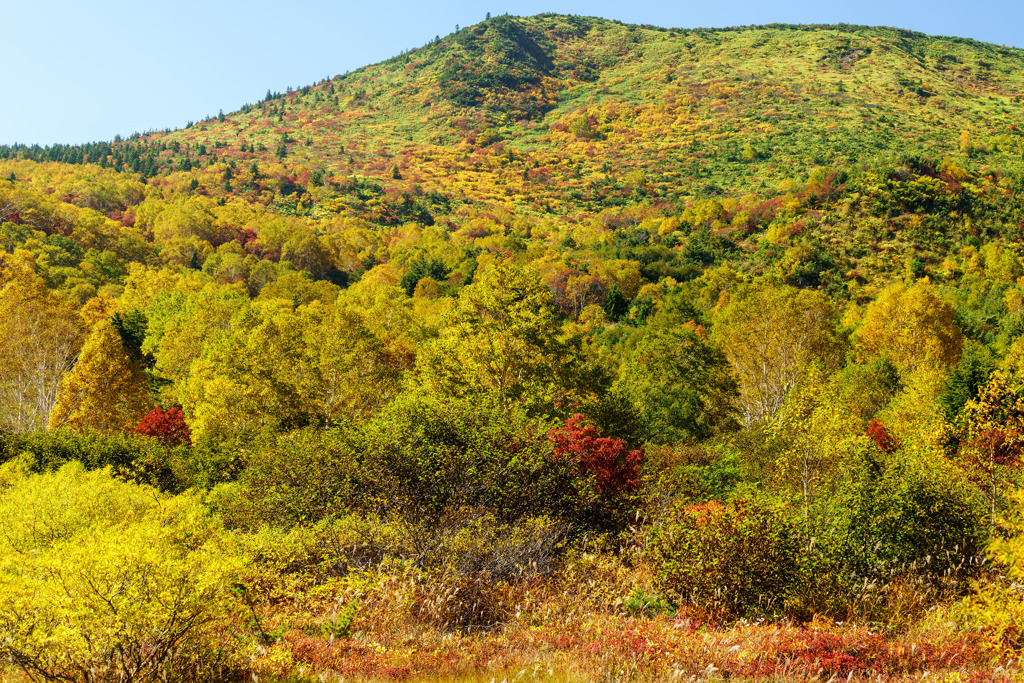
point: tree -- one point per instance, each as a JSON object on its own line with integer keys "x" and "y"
{"x": 681, "y": 383}
{"x": 40, "y": 337}
{"x": 913, "y": 326}
{"x": 502, "y": 340}
{"x": 166, "y": 425}
{"x": 819, "y": 435}
{"x": 771, "y": 333}
{"x": 423, "y": 267}
{"x": 966, "y": 379}
{"x": 281, "y": 368}
{"x": 106, "y": 390}
{"x": 991, "y": 431}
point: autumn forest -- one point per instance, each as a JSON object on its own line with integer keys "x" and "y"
{"x": 556, "y": 349}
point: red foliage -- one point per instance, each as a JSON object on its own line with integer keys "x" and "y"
{"x": 614, "y": 467}
{"x": 1002, "y": 446}
{"x": 246, "y": 236}
{"x": 125, "y": 218}
{"x": 880, "y": 435}
{"x": 168, "y": 426}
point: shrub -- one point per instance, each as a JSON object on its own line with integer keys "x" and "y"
{"x": 128, "y": 455}
{"x": 121, "y": 583}
{"x": 996, "y": 607}
{"x": 425, "y": 458}
{"x": 432, "y": 463}
{"x": 646, "y": 605}
{"x": 603, "y": 473}
{"x": 904, "y": 512}
{"x": 733, "y": 559}
{"x": 299, "y": 477}
{"x": 903, "y": 531}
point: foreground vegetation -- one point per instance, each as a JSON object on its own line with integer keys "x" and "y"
{"x": 564, "y": 377}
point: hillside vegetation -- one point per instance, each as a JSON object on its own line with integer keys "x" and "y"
{"x": 557, "y": 348}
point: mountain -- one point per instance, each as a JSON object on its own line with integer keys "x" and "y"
{"x": 577, "y": 111}
{"x": 849, "y": 143}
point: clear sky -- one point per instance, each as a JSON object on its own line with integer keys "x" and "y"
{"x": 75, "y": 71}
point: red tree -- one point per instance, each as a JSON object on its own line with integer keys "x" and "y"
{"x": 880, "y": 435}
{"x": 168, "y": 426}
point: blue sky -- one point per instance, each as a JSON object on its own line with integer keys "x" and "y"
{"x": 78, "y": 71}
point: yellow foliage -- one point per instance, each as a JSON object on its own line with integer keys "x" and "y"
{"x": 40, "y": 337}
{"x": 913, "y": 326}
{"x": 106, "y": 390}
{"x": 112, "y": 579}
{"x": 668, "y": 226}
{"x": 771, "y": 334}
{"x": 913, "y": 415}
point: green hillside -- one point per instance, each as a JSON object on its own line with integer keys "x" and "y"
{"x": 697, "y": 111}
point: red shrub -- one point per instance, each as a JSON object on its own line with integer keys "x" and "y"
{"x": 614, "y": 468}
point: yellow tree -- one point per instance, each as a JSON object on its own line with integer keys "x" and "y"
{"x": 991, "y": 431}
{"x": 912, "y": 326}
{"x": 819, "y": 432}
{"x": 282, "y": 368}
{"x": 40, "y": 337}
{"x": 771, "y": 333}
{"x": 106, "y": 390}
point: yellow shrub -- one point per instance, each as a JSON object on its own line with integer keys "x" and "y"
{"x": 105, "y": 580}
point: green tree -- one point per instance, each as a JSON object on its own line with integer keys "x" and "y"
{"x": 502, "y": 340}
{"x": 280, "y": 368}
{"x": 681, "y": 383}
{"x": 423, "y": 267}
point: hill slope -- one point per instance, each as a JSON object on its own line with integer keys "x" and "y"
{"x": 563, "y": 109}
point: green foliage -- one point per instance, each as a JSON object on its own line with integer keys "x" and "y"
{"x": 295, "y": 478}
{"x": 423, "y": 267}
{"x": 995, "y": 608}
{"x": 734, "y": 559}
{"x": 647, "y": 605}
{"x": 340, "y": 626}
{"x": 910, "y": 513}
{"x": 128, "y": 455}
{"x": 966, "y": 379}
{"x": 426, "y": 458}
{"x": 681, "y": 383}
{"x": 502, "y": 344}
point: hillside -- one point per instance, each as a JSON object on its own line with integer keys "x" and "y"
{"x": 583, "y": 103}
{"x": 556, "y": 349}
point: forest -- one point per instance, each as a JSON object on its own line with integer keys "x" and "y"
{"x": 556, "y": 349}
